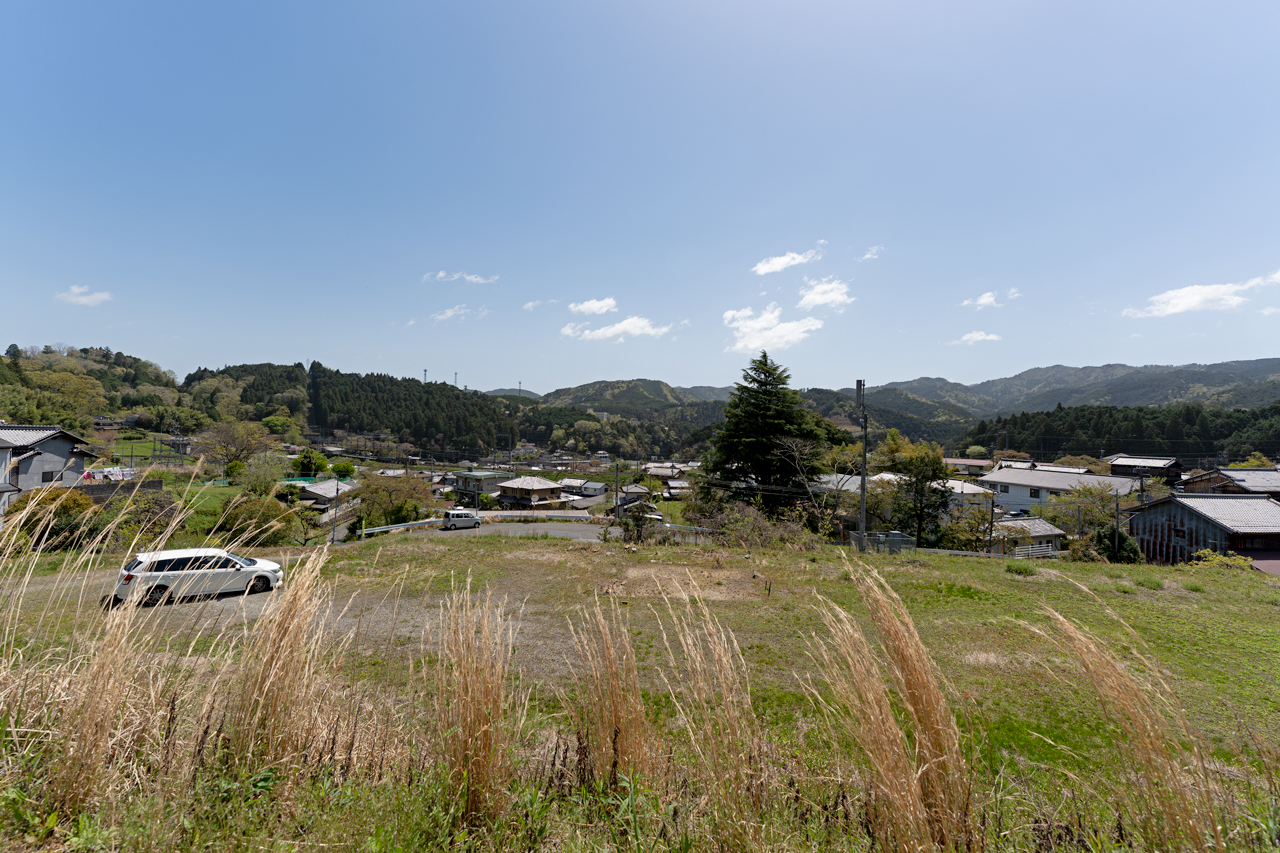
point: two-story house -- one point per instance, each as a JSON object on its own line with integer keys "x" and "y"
{"x": 32, "y": 457}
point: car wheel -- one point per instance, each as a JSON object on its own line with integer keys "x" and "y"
{"x": 453, "y": 527}
{"x": 476, "y": 526}
{"x": 258, "y": 584}
{"x": 155, "y": 596}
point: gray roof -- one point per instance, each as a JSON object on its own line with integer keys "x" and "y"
{"x": 25, "y": 436}
{"x": 483, "y": 475}
{"x": 1145, "y": 461}
{"x": 1235, "y": 513}
{"x": 1057, "y": 481}
{"x": 594, "y": 485}
{"x": 1254, "y": 479}
{"x": 1030, "y": 527}
{"x": 573, "y": 483}
{"x": 532, "y": 483}
{"x": 328, "y": 488}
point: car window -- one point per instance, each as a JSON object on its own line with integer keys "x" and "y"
{"x": 244, "y": 561}
{"x": 200, "y": 564}
{"x": 171, "y": 565}
{"x": 133, "y": 565}
{"x": 226, "y": 563}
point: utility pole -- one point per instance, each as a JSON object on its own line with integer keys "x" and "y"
{"x": 424, "y": 376}
{"x": 862, "y": 491}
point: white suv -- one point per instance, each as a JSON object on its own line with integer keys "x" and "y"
{"x": 194, "y": 571}
{"x": 455, "y": 518}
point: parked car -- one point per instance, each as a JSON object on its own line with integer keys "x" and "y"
{"x": 186, "y": 572}
{"x": 455, "y": 518}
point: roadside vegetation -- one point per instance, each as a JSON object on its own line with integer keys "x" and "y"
{"x": 489, "y": 693}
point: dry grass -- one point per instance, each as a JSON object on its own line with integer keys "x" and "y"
{"x": 711, "y": 689}
{"x": 920, "y": 789}
{"x": 1171, "y": 795}
{"x": 471, "y": 680}
{"x": 609, "y": 710}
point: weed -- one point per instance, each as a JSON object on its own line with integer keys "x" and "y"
{"x": 1022, "y": 569}
{"x": 1149, "y": 582}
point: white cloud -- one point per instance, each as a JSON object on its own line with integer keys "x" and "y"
{"x": 79, "y": 295}
{"x": 631, "y": 327}
{"x": 753, "y": 332}
{"x": 1200, "y": 297}
{"x": 872, "y": 253}
{"x": 484, "y": 312}
{"x": 465, "y": 276}
{"x": 449, "y": 313}
{"x": 529, "y": 306}
{"x": 1014, "y": 293}
{"x": 830, "y": 292}
{"x": 411, "y": 322}
{"x": 790, "y": 259}
{"x": 986, "y": 300}
{"x": 976, "y": 337}
{"x": 1269, "y": 310}
{"x": 594, "y": 306}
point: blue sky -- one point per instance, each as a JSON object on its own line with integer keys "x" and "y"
{"x": 553, "y": 193}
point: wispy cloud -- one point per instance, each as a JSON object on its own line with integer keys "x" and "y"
{"x": 1201, "y": 297}
{"x": 594, "y": 306}
{"x": 529, "y": 306}
{"x": 976, "y": 337}
{"x": 632, "y": 327}
{"x": 753, "y": 332}
{"x": 828, "y": 292}
{"x": 484, "y": 312}
{"x": 1013, "y": 293}
{"x": 986, "y": 300}
{"x": 79, "y": 295}
{"x": 790, "y": 259}
{"x": 457, "y": 311}
{"x": 872, "y": 253}
{"x": 1269, "y": 310}
{"x": 454, "y": 276}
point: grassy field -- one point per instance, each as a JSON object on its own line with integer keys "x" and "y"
{"x": 369, "y": 706}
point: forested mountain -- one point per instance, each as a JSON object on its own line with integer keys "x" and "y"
{"x": 1191, "y": 431}
{"x": 515, "y": 392}
{"x": 642, "y": 399}
{"x": 890, "y": 408}
{"x": 432, "y": 415}
{"x": 710, "y": 393}
{"x": 1248, "y": 383}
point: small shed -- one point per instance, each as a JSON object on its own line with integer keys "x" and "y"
{"x": 1008, "y": 535}
{"x": 1165, "y": 467}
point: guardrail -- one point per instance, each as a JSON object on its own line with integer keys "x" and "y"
{"x": 386, "y": 528}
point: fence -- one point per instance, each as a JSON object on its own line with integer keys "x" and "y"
{"x": 893, "y": 542}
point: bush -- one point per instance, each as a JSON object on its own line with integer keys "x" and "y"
{"x": 1104, "y": 542}
{"x": 255, "y": 521}
{"x": 1083, "y": 552}
{"x": 1022, "y": 570}
{"x": 54, "y": 517}
{"x": 1214, "y": 560}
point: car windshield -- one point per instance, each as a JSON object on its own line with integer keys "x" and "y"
{"x": 248, "y": 561}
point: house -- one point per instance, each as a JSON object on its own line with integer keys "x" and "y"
{"x": 572, "y": 485}
{"x": 634, "y": 492}
{"x": 973, "y": 467}
{"x": 592, "y": 489}
{"x": 1165, "y": 467}
{"x": 678, "y": 490}
{"x": 1173, "y": 529}
{"x": 323, "y": 493}
{"x": 528, "y": 492}
{"x": 1023, "y": 488}
{"x": 1235, "y": 481}
{"x": 472, "y": 483}
{"x": 32, "y": 457}
{"x": 1008, "y": 535}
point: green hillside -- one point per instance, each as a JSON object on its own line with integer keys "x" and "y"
{"x": 514, "y": 392}
{"x": 642, "y": 399}
{"x": 917, "y": 419}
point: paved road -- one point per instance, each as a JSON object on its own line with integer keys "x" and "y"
{"x": 589, "y": 532}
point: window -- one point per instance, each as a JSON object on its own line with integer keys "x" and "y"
{"x": 1035, "y": 493}
{"x": 1004, "y": 490}
{"x": 1179, "y": 533}
{"x": 48, "y": 476}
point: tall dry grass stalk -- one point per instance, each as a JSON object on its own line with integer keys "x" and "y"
{"x": 1173, "y": 796}
{"x": 609, "y": 709}
{"x": 921, "y": 790}
{"x": 711, "y": 688}
{"x": 473, "y": 658}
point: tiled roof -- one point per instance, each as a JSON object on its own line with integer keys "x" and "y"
{"x": 1236, "y": 513}
{"x": 328, "y": 488}
{"x": 532, "y": 483}
{"x": 1057, "y": 481}
{"x": 1145, "y": 461}
{"x": 1030, "y": 527}
{"x": 20, "y": 436}
{"x": 1254, "y": 479}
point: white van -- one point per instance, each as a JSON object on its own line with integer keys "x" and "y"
{"x": 162, "y": 575}
{"x": 455, "y": 518}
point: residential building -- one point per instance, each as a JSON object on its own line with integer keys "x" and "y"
{"x": 32, "y": 457}
{"x": 592, "y": 489}
{"x": 1173, "y": 529}
{"x": 1165, "y": 467}
{"x": 1023, "y": 488}
{"x": 471, "y": 484}
{"x": 973, "y": 467}
{"x": 1235, "y": 481}
{"x": 322, "y": 494}
{"x": 529, "y": 492}
{"x": 1008, "y": 535}
{"x": 572, "y": 485}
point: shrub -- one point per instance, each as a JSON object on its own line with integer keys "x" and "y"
{"x": 1214, "y": 560}
{"x": 1104, "y": 542}
{"x": 1022, "y": 570}
{"x": 255, "y": 521}
{"x": 1083, "y": 552}
{"x": 52, "y": 517}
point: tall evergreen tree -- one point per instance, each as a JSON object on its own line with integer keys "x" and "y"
{"x": 762, "y": 410}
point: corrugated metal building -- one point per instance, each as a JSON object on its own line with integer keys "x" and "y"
{"x": 1235, "y": 481}
{"x": 1173, "y": 529}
